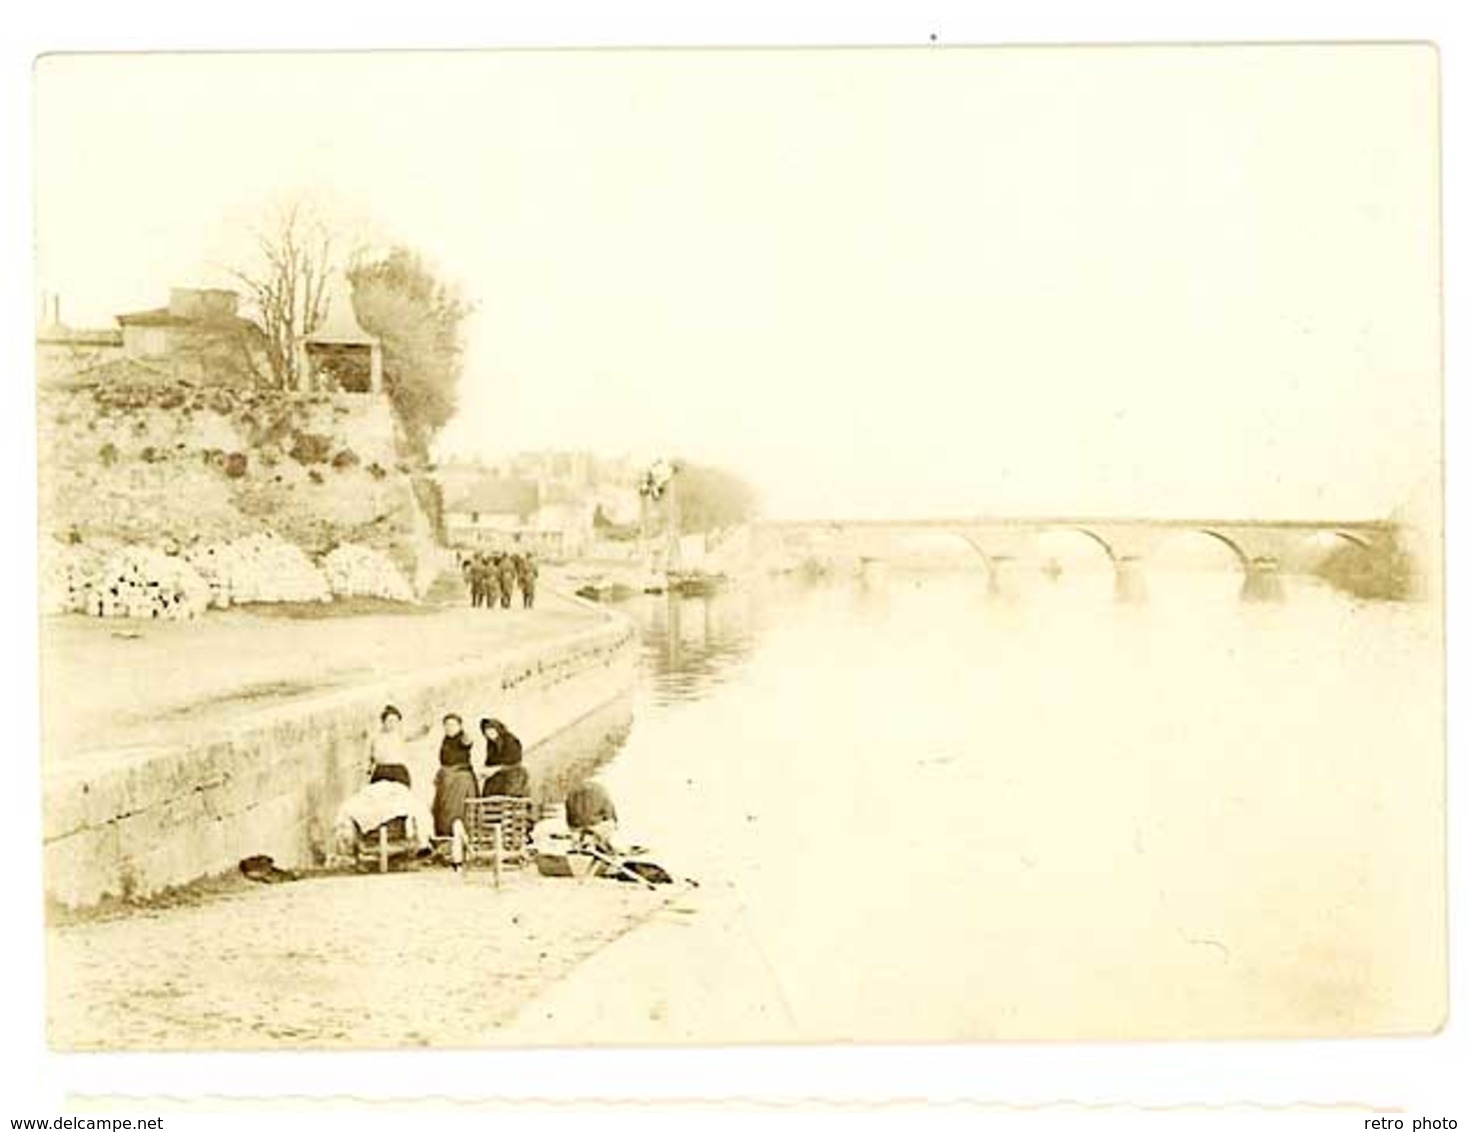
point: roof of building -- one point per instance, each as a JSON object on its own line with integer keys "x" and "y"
{"x": 497, "y": 497}
{"x": 157, "y": 316}
{"x": 162, "y": 316}
{"x": 340, "y": 326}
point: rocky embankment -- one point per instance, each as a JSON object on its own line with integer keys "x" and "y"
{"x": 199, "y": 474}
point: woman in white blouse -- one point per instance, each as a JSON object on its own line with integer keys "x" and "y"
{"x": 388, "y": 757}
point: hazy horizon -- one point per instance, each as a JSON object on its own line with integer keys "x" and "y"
{"x": 1170, "y": 281}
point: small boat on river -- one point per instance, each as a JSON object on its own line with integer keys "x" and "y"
{"x": 696, "y": 583}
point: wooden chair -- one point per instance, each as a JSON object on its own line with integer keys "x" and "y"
{"x": 388, "y": 841}
{"x": 497, "y": 828}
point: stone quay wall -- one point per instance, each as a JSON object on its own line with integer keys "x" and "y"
{"x": 131, "y": 824}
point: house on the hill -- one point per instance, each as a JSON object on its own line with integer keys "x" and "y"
{"x": 199, "y": 336}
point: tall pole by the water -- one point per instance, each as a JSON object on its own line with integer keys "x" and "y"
{"x": 644, "y": 544}
{"x": 675, "y": 555}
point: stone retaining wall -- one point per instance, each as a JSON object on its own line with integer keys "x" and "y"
{"x": 132, "y": 823}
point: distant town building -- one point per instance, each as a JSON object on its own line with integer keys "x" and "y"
{"x": 509, "y": 513}
{"x": 542, "y": 501}
{"x": 562, "y": 530}
{"x": 489, "y": 513}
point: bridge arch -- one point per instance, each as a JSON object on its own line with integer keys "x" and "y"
{"x": 1071, "y": 552}
{"x": 1240, "y": 554}
{"x": 1309, "y": 548}
{"x": 1310, "y": 551}
{"x": 1182, "y": 570}
{"x": 932, "y": 536}
{"x": 1099, "y": 540}
{"x": 1351, "y": 537}
{"x": 978, "y": 549}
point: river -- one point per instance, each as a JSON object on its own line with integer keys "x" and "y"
{"x": 919, "y": 813}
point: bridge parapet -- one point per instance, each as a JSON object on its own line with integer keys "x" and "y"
{"x": 1262, "y": 549}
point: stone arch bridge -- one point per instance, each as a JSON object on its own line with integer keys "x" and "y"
{"x": 1263, "y": 549}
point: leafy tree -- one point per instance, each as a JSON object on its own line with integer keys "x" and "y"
{"x": 1386, "y": 573}
{"x": 419, "y": 319}
{"x": 710, "y": 498}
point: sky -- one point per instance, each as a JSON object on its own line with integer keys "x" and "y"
{"x": 876, "y": 283}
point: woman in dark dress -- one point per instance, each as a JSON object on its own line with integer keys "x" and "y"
{"x": 454, "y": 784}
{"x": 505, "y": 772}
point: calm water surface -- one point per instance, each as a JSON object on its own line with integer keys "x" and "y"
{"x": 944, "y": 816}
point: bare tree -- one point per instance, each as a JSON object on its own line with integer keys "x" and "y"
{"x": 287, "y": 288}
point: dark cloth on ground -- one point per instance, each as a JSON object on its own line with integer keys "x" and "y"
{"x": 452, "y": 787}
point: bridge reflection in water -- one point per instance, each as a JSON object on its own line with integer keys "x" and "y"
{"x": 1010, "y": 548}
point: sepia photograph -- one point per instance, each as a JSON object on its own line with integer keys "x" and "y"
{"x": 563, "y": 548}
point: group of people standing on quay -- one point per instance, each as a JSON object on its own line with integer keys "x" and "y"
{"x": 494, "y": 576}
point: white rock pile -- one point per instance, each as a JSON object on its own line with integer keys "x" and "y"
{"x": 266, "y": 568}
{"x": 211, "y": 560}
{"x": 66, "y": 575}
{"x": 359, "y": 571}
{"x": 129, "y": 581}
{"x": 109, "y": 579}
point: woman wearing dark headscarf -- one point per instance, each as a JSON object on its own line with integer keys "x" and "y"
{"x": 455, "y": 782}
{"x": 504, "y": 764}
{"x": 501, "y": 746}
